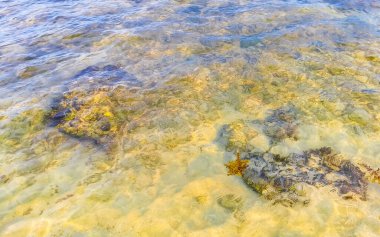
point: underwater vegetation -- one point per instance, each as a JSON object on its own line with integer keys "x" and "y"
{"x": 117, "y": 114}
{"x": 111, "y": 115}
{"x": 87, "y": 114}
{"x": 114, "y": 114}
{"x": 18, "y": 130}
{"x": 190, "y": 118}
{"x": 286, "y": 179}
{"x": 373, "y": 175}
{"x": 283, "y": 179}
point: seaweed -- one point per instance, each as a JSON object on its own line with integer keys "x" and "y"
{"x": 284, "y": 179}
{"x": 372, "y": 175}
{"x": 20, "y": 128}
{"x": 91, "y": 115}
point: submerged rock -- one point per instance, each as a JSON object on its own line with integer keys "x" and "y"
{"x": 19, "y": 132}
{"x": 286, "y": 179}
{"x": 282, "y": 123}
{"x": 237, "y": 136}
{"x": 109, "y": 75}
{"x": 28, "y": 72}
{"x": 105, "y": 114}
{"x": 242, "y": 135}
{"x": 289, "y": 179}
{"x": 61, "y": 114}
{"x": 230, "y": 202}
{"x": 87, "y": 114}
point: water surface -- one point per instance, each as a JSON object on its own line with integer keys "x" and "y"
{"x": 179, "y": 72}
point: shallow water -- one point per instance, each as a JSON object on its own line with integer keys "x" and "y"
{"x": 170, "y": 75}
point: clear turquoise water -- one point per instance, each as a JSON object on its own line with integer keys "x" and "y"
{"x": 186, "y": 68}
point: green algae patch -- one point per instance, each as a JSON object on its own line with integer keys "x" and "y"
{"x": 108, "y": 114}
{"x": 20, "y": 129}
{"x": 285, "y": 180}
{"x": 289, "y": 179}
{"x": 73, "y": 36}
{"x": 28, "y": 72}
{"x": 89, "y": 114}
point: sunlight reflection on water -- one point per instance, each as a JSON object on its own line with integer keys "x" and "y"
{"x": 111, "y": 114}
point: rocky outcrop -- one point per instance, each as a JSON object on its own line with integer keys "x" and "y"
{"x": 285, "y": 179}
